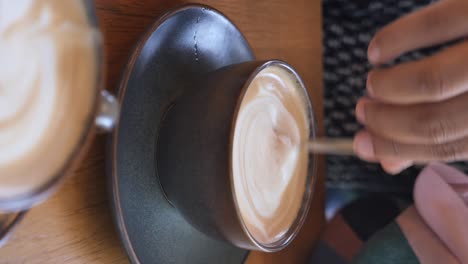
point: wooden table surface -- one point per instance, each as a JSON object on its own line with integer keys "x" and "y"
{"x": 75, "y": 225}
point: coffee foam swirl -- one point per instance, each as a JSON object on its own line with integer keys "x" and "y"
{"x": 47, "y": 88}
{"x": 270, "y": 158}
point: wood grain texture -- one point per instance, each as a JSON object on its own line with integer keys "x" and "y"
{"x": 75, "y": 225}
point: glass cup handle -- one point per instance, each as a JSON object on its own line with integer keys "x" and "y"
{"x": 108, "y": 112}
{"x": 8, "y": 222}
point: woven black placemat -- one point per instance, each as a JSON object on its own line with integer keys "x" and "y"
{"x": 348, "y": 26}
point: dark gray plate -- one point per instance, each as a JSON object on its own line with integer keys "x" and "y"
{"x": 180, "y": 46}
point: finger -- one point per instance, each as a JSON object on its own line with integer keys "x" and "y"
{"x": 436, "y": 78}
{"x": 440, "y": 22}
{"x": 380, "y": 148}
{"x": 363, "y": 147}
{"x": 395, "y": 166}
{"x": 430, "y": 123}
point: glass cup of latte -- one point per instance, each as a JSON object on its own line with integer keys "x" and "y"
{"x": 51, "y": 102}
{"x": 232, "y": 154}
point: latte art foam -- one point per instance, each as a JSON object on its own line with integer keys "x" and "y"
{"x": 47, "y": 88}
{"x": 270, "y": 159}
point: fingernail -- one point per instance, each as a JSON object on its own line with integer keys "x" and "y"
{"x": 361, "y": 111}
{"x": 393, "y": 170}
{"x": 395, "y": 166}
{"x": 373, "y": 52}
{"x": 369, "y": 87}
{"x": 363, "y": 146}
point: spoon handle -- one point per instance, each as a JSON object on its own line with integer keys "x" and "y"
{"x": 332, "y": 146}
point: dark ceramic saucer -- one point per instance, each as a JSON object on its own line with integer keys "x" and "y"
{"x": 181, "y": 45}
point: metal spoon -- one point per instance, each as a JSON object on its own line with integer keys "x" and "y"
{"x": 332, "y": 146}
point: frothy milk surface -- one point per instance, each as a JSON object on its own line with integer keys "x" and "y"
{"x": 47, "y": 88}
{"x": 270, "y": 159}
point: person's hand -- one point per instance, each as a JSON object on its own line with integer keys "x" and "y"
{"x": 417, "y": 111}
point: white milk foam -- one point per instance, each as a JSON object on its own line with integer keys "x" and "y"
{"x": 47, "y": 88}
{"x": 270, "y": 159}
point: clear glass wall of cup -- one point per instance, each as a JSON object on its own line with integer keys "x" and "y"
{"x": 102, "y": 119}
